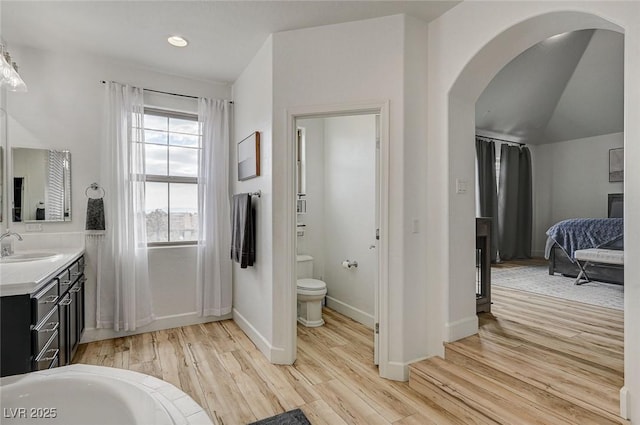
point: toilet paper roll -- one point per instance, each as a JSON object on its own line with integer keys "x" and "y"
{"x": 345, "y": 264}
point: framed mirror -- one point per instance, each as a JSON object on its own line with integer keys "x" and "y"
{"x": 41, "y": 185}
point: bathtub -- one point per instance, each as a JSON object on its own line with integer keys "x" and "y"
{"x": 95, "y": 395}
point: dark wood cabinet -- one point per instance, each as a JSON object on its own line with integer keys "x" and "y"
{"x": 42, "y": 330}
{"x": 483, "y": 265}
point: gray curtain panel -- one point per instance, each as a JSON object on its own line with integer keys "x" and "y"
{"x": 487, "y": 189}
{"x": 515, "y": 203}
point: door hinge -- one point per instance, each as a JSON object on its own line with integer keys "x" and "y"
{"x": 377, "y": 234}
{"x": 377, "y": 328}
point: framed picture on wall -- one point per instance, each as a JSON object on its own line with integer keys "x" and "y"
{"x": 616, "y": 165}
{"x": 249, "y": 157}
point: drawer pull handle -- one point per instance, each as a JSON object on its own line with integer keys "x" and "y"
{"x": 66, "y": 301}
{"x": 52, "y": 357}
{"x": 53, "y": 328}
{"x": 65, "y": 282}
{"x": 76, "y": 274}
{"x": 51, "y": 299}
{"x": 75, "y": 289}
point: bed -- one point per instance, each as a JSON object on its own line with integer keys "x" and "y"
{"x": 568, "y": 236}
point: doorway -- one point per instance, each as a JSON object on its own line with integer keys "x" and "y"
{"x": 339, "y": 158}
{"x": 458, "y": 129}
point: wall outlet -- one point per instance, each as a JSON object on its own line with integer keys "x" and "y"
{"x": 33, "y": 227}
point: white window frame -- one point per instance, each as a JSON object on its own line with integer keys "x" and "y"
{"x": 153, "y": 178}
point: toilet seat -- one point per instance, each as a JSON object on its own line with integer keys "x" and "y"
{"x": 311, "y": 285}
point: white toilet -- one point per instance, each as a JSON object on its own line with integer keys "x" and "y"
{"x": 311, "y": 292}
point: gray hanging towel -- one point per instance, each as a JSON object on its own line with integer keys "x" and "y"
{"x": 243, "y": 238}
{"x": 95, "y": 214}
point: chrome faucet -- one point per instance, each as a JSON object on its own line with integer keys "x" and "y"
{"x": 6, "y": 248}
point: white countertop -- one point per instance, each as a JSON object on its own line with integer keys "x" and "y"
{"x": 27, "y": 277}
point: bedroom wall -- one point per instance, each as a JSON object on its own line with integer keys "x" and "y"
{"x": 571, "y": 180}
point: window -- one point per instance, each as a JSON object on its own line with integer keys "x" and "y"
{"x": 172, "y": 147}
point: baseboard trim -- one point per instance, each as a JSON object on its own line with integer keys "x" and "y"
{"x": 461, "y": 328}
{"x": 160, "y": 323}
{"x": 275, "y": 355}
{"x": 256, "y": 337}
{"x": 350, "y": 311}
{"x": 400, "y": 371}
{"x": 536, "y": 253}
{"x": 624, "y": 403}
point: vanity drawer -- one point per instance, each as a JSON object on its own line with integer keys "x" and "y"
{"x": 43, "y": 331}
{"x": 48, "y": 355}
{"x": 76, "y": 270}
{"x": 65, "y": 280}
{"x": 44, "y": 301}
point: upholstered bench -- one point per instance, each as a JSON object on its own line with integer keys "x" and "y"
{"x": 595, "y": 255}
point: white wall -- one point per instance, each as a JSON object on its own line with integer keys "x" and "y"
{"x": 63, "y": 109}
{"x": 572, "y": 181}
{"x": 313, "y": 241}
{"x": 253, "y": 286}
{"x": 358, "y": 62}
{"x": 349, "y": 213}
{"x": 463, "y": 58}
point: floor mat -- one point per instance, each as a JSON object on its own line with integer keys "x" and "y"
{"x": 537, "y": 279}
{"x": 292, "y": 417}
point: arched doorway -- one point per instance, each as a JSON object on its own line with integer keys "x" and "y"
{"x": 460, "y": 129}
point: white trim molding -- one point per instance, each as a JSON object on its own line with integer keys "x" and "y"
{"x": 624, "y": 403}
{"x": 275, "y": 355}
{"x": 160, "y": 323}
{"x": 462, "y": 328}
{"x": 350, "y": 311}
{"x": 400, "y": 371}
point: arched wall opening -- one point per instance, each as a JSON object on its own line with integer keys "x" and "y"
{"x": 469, "y": 84}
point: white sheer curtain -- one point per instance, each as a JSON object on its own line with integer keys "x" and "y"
{"x": 214, "y": 262}
{"x": 124, "y": 294}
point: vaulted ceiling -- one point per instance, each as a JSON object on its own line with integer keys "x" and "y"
{"x": 567, "y": 87}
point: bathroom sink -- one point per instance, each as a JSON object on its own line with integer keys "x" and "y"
{"x": 19, "y": 257}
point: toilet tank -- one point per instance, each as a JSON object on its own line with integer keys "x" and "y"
{"x": 304, "y": 267}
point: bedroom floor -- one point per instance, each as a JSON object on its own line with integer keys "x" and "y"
{"x": 535, "y": 360}
{"x": 533, "y": 276}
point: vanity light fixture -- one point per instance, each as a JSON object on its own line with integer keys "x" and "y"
{"x": 9, "y": 76}
{"x": 176, "y": 40}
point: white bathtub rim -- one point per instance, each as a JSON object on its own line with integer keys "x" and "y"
{"x": 182, "y": 409}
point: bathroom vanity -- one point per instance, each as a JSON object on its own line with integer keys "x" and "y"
{"x": 42, "y": 309}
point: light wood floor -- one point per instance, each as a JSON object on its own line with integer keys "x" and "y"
{"x": 536, "y": 360}
{"x": 334, "y": 381}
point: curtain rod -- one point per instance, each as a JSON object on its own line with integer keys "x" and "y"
{"x": 501, "y": 140}
{"x": 169, "y": 93}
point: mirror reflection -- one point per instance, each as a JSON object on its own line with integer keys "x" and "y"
{"x": 41, "y": 185}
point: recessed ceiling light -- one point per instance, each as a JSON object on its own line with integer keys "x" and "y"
{"x": 176, "y": 40}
